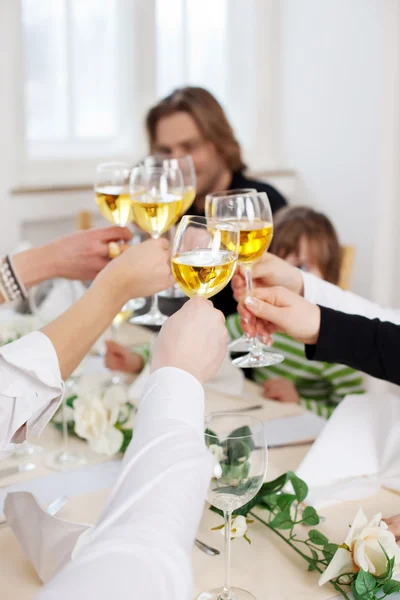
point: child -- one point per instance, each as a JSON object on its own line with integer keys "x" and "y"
{"x": 307, "y": 240}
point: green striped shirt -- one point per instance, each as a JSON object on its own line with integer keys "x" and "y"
{"x": 321, "y": 386}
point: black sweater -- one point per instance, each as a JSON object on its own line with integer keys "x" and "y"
{"x": 367, "y": 345}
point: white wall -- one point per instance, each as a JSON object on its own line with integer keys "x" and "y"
{"x": 337, "y": 83}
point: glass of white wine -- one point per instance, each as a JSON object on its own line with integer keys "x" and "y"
{"x": 251, "y": 212}
{"x": 204, "y": 255}
{"x": 157, "y": 196}
{"x": 112, "y": 196}
{"x": 239, "y": 447}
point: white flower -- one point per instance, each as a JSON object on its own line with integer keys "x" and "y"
{"x": 364, "y": 541}
{"x": 238, "y": 527}
{"x": 217, "y": 451}
{"x": 91, "y": 418}
{"x": 109, "y": 443}
{"x": 113, "y": 398}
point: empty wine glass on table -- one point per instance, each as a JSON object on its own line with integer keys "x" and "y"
{"x": 113, "y": 199}
{"x": 251, "y": 212}
{"x": 157, "y": 195}
{"x": 186, "y": 166}
{"x": 204, "y": 255}
{"x": 239, "y": 446}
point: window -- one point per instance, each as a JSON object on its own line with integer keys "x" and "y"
{"x": 76, "y": 58}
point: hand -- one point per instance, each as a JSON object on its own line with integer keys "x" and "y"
{"x": 84, "y": 254}
{"x": 282, "y": 390}
{"x": 193, "y": 339}
{"x": 119, "y": 358}
{"x": 267, "y": 272}
{"x": 278, "y": 309}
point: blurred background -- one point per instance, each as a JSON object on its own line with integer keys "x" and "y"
{"x": 311, "y": 87}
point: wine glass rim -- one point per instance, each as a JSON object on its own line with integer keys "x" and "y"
{"x": 226, "y": 225}
{"x": 233, "y": 193}
{"x": 242, "y": 415}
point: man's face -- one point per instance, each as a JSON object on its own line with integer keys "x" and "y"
{"x": 178, "y": 135}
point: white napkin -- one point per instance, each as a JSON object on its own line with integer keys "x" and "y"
{"x": 357, "y": 453}
{"x": 47, "y": 541}
{"x": 229, "y": 380}
{"x": 61, "y": 296}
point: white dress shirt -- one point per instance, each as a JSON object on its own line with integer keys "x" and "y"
{"x": 31, "y": 389}
{"x": 141, "y": 546}
{"x": 326, "y": 294}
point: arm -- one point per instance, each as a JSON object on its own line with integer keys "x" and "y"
{"x": 81, "y": 255}
{"x": 326, "y": 294}
{"x": 32, "y": 368}
{"x": 151, "y": 519}
{"x": 368, "y": 345}
{"x": 141, "y": 545}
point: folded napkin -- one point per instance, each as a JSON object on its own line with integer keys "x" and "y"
{"x": 357, "y": 453}
{"x": 48, "y": 304}
{"x": 229, "y": 380}
{"x": 47, "y": 541}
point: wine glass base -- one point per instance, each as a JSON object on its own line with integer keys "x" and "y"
{"x": 242, "y": 344}
{"x": 66, "y": 460}
{"x": 263, "y": 359}
{"x": 218, "y": 594}
{"x": 149, "y": 319}
{"x": 27, "y": 449}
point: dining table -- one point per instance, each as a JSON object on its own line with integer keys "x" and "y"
{"x": 267, "y": 567}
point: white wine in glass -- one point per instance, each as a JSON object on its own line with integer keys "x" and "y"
{"x": 251, "y": 212}
{"x": 240, "y": 454}
{"x": 204, "y": 255}
{"x": 157, "y": 195}
{"x": 111, "y": 189}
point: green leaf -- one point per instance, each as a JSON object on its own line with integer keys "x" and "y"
{"x": 70, "y": 400}
{"x": 271, "y": 487}
{"x": 391, "y": 586}
{"x": 285, "y": 501}
{"x": 244, "y": 432}
{"x": 358, "y": 596}
{"x": 237, "y": 452}
{"x": 235, "y": 490}
{"x": 218, "y": 528}
{"x": 127, "y": 433}
{"x": 312, "y": 566}
{"x": 365, "y": 583}
{"x": 317, "y": 538}
{"x": 310, "y": 516}
{"x": 299, "y": 486}
{"x": 282, "y": 520}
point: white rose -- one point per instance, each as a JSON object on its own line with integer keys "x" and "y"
{"x": 91, "y": 418}
{"x": 217, "y": 451}
{"x": 108, "y": 443}
{"x": 364, "y": 541}
{"x": 238, "y": 527}
{"x": 114, "y": 397}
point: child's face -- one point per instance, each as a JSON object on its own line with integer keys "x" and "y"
{"x": 305, "y": 259}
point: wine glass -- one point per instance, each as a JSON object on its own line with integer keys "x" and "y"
{"x": 156, "y": 194}
{"x": 186, "y": 166}
{"x": 251, "y": 211}
{"x": 111, "y": 190}
{"x": 238, "y": 444}
{"x": 204, "y": 255}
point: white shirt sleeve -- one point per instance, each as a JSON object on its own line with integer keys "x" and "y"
{"x": 326, "y": 294}
{"x": 141, "y": 545}
{"x": 31, "y": 389}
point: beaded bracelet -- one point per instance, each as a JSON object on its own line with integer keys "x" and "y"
{"x": 10, "y": 285}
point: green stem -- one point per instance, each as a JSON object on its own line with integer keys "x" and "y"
{"x": 308, "y": 559}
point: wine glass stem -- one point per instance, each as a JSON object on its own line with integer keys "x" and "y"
{"x": 65, "y": 426}
{"x": 226, "y": 594}
{"x": 154, "y": 299}
{"x": 256, "y": 348}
